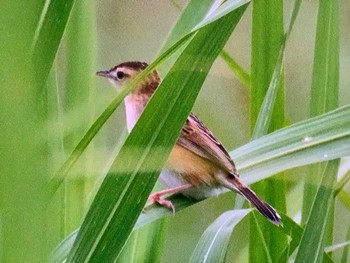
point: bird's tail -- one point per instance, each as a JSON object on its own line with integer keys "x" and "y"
{"x": 264, "y": 208}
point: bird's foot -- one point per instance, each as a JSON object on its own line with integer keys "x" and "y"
{"x": 156, "y": 198}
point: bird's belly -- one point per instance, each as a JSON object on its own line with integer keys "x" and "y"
{"x": 185, "y": 167}
{"x": 170, "y": 179}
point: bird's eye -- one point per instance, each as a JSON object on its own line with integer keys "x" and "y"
{"x": 120, "y": 75}
{"x": 231, "y": 176}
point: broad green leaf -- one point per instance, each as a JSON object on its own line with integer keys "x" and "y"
{"x": 213, "y": 243}
{"x": 324, "y": 97}
{"x": 137, "y": 166}
{"x": 24, "y": 149}
{"x": 325, "y": 82}
{"x": 312, "y": 242}
{"x": 265, "y": 114}
{"x": 321, "y": 138}
{"x": 194, "y": 13}
{"x": 266, "y": 68}
{"x": 48, "y": 34}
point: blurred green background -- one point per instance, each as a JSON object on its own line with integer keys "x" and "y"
{"x": 41, "y": 122}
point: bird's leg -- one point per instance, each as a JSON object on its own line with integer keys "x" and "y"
{"x": 156, "y": 197}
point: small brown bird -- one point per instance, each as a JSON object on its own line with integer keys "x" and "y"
{"x": 199, "y": 165}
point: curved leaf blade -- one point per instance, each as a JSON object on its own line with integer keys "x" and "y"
{"x": 311, "y": 246}
{"x": 47, "y": 37}
{"x": 321, "y": 138}
{"x": 213, "y": 243}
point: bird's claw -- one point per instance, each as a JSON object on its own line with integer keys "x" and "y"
{"x": 156, "y": 199}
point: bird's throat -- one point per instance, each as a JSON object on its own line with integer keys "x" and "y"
{"x": 134, "y": 106}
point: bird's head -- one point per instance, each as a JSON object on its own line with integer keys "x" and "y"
{"x": 123, "y": 73}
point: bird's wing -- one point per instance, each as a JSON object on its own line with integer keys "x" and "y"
{"x": 200, "y": 140}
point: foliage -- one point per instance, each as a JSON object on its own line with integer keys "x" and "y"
{"x": 63, "y": 167}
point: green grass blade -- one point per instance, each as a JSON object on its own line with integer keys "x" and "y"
{"x": 344, "y": 197}
{"x": 194, "y": 13}
{"x": 24, "y": 148}
{"x": 265, "y": 114}
{"x": 345, "y": 254}
{"x": 337, "y": 246}
{"x": 213, "y": 243}
{"x": 145, "y": 244}
{"x": 341, "y": 183}
{"x": 48, "y": 34}
{"x": 325, "y": 137}
{"x": 325, "y": 78}
{"x": 312, "y": 242}
{"x": 266, "y": 68}
{"x": 224, "y": 9}
{"x": 132, "y": 176}
{"x": 241, "y": 74}
{"x": 294, "y": 232}
{"x": 325, "y": 81}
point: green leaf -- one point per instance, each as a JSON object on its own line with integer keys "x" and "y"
{"x": 137, "y": 166}
{"x": 241, "y": 74}
{"x": 266, "y": 69}
{"x": 337, "y": 246}
{"x": 150, "y": 214}
{"x": 224, "y": 9}
{"x": 213, "y": 243}
{"x": 344, "y": 258}
{"x": 265, "y": 114}
{"x": 48, "y": 34}
{"x": 325, "y": 82}
{"x": 294, "y": 232}
{"x": 194, "y": 13}
{"x": 324, "y": 137}
{"x": 312, "y": 242}
{"x": 145, "y": 244}
{"x": 341, "y": 183}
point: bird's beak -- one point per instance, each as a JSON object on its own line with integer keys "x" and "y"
{"x": 104, "y": 73}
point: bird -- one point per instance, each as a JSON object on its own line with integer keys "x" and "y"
{"x": 198, "y": 166}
